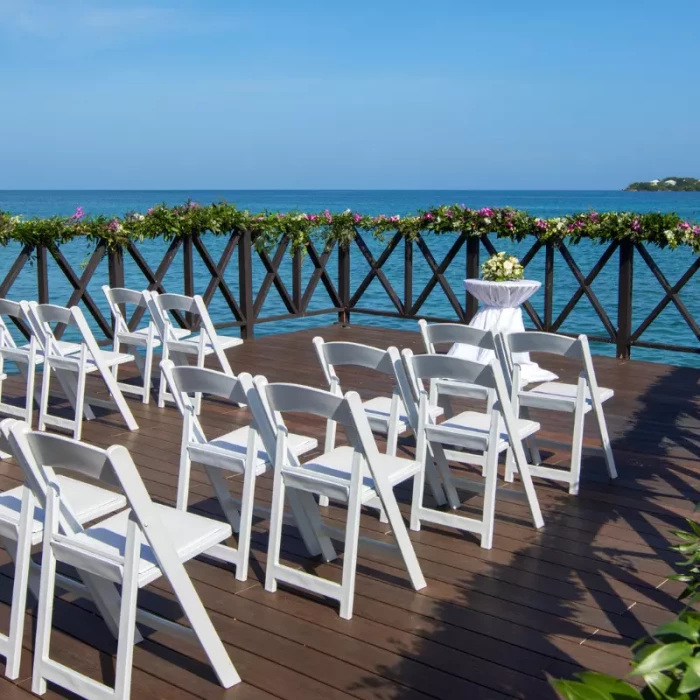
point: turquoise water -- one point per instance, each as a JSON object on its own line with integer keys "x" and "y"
{"x": 668, "y": 328}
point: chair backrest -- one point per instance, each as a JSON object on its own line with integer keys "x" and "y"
{"x": 163, "y": 304}
{"x": 438, "y": 333}
{"x": 14, "y": 311}
{"x": 345, "y": 410}
{"x": 117, "y": 296}
{"x": 187, "y": 380}
{"x": 341, "y": 353}
{"x": 112, "y": 467}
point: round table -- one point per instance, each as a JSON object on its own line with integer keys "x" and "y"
{"x": 499, "y": 311}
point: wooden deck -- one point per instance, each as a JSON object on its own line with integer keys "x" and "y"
{"x": 490, "y": 624}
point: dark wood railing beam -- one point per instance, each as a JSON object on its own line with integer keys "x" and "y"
{"x": 624, "y": 301}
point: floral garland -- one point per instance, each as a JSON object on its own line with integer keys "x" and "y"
{"x": 267, "y": 228}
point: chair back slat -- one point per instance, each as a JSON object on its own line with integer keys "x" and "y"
{"x": 446, "y": 367}
{"x": 538, "y": 341}
{"x": 356, "y": 354}
{"x": 435, "y": 333}
{"x": 177, "y": 302}
{"x": 303, "y": 399}
{"x": 200, "y": 380}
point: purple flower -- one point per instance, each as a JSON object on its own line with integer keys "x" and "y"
{"x": 462, "y": 205}
{"x": 79, "y": 214}
{"x": 428, "y": 216}
{"x": 193, "y": 205}
{"x": 356, "y": 218}
{"x": 684, "y": 225}
{"x": 328, "y": 216}
{"x": 150, "y": 211}
{"x": 509, "y": 225}
{"x": 594, "y": 216}
{"x": 696, "y": 230}
{"x": 541, "y": 224}
{"x": 113, "y": 225}
{"x": 486, "y": 211}
{"x": 448, "y": 213}
{"x": 571, "y": 227}
{"x": 637, "y": 225}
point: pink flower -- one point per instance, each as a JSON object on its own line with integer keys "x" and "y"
{"x": 150, "y": 211}
{"x": 328, "y": 216}
{"x": 637, "y": 225}
{"x": 684, "y": 225}
{"x": 509, "y": 225}
{"x": 541, "y": 224}
{"x": 448, "y": 213}
{"x": 79, "y": 214}
{"x": 113, "y": 225}
{"x": 594, "y": 216}
{"x": 486, "y": 211}
{"x": 394, "y": 218}
{"x": 193, "y": 205}
{"x": 428, "y": 216}
{"x": 356, "y": 218}
{"x": 696, "y": 230}
{"x": 571, "y": 227}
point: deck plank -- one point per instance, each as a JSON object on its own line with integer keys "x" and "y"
{"x": 490, "y": 624}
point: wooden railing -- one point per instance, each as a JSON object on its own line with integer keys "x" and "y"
{"x": 245, "y": 303}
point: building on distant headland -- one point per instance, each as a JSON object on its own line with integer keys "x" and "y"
{"x": 670, "y": 184}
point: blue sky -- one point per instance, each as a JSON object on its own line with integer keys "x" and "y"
{"x": 362, "y": 94}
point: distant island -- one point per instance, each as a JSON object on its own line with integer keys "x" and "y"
{"x": 669, "y": 184}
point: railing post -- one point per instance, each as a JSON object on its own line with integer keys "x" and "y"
{"x": 472, "y": 304}
{"x": 344, "y": 282}
{"x": 624, "y": 301}
{"x": 407, "y": 276}
{"x": 42, "y": 273}
{"x": 548, "y": 286}
{"x": 115, "y": 272}
{"x": 245, "y": 283}
{"x": 188, "y": 272}
{"x": 296, "y": 281}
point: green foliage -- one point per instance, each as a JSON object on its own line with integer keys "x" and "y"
{"x": 669, "y": 661}
{"x": 267, "y": 228}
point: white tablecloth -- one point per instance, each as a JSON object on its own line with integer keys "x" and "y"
{"x": 499, "y": 311}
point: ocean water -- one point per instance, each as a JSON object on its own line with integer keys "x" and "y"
{"x": 669, "y": 327}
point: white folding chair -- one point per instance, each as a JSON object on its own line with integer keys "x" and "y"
{"x": 443, "y": 334}
{"x": 578, "y": 399}
{"x": 356, "y": 474}
{"x": 132, "y": 548}
{"x": 22, "y": 526}
{"x": 474, "y": 434}
{"x": 26, "y": 357}
{"x": 239, "y": 452}
{"x": 147, "y": 337}
{"x": 73, "y": 369}
{"x": 200, "y": 345}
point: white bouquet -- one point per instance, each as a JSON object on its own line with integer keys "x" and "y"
{"x": 502, "y": 268}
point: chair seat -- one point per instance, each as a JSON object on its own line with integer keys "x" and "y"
{"x": 558, "y": 396}
{"x": 111, "y": 359}
{"x": 233, "y": 446}
{"x": 87, "y": 501}
{"x": 475, "y": 425}
{"x": 191, "y": 344}
{"x": 334, "y": 468}
{"x": 378, "y": 412}
{"x": 142, "y": 335}
{"x": 64, "y": 347}
{"x": 189, "y": 533}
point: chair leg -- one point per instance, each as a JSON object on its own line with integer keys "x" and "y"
{"x": 20, "y": 584}
{"x": 79, "y": 401}
{"x": 444, "y": 469}
{"x": 510, "y": 466}
{"x": 275, "y": 536}
{"x": 352, "y": 542}
{"x": 489, "y": 516}
{"x": 323, "y": 501}
{"x": 147, "y": 375}
{"x": 127, "y": 614}
{"x": 246, "y": 524}
{"x": 29, "y": 405}
{"x": 183, "y": 479}
{"x": 605, "y": 440}
{"x": 417, "y": 498}
{"x": 576, "y": 450}
{"x": 44, "y": 619}
{"x": 44, "y": 403}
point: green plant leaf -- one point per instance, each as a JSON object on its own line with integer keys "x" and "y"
{"x": 573, "y": 690}
{"x": 678, "y": 628}
{"x": 609, "y": 685}
{"x": 690, "y": 680}
{"x": 664, "y": 657}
